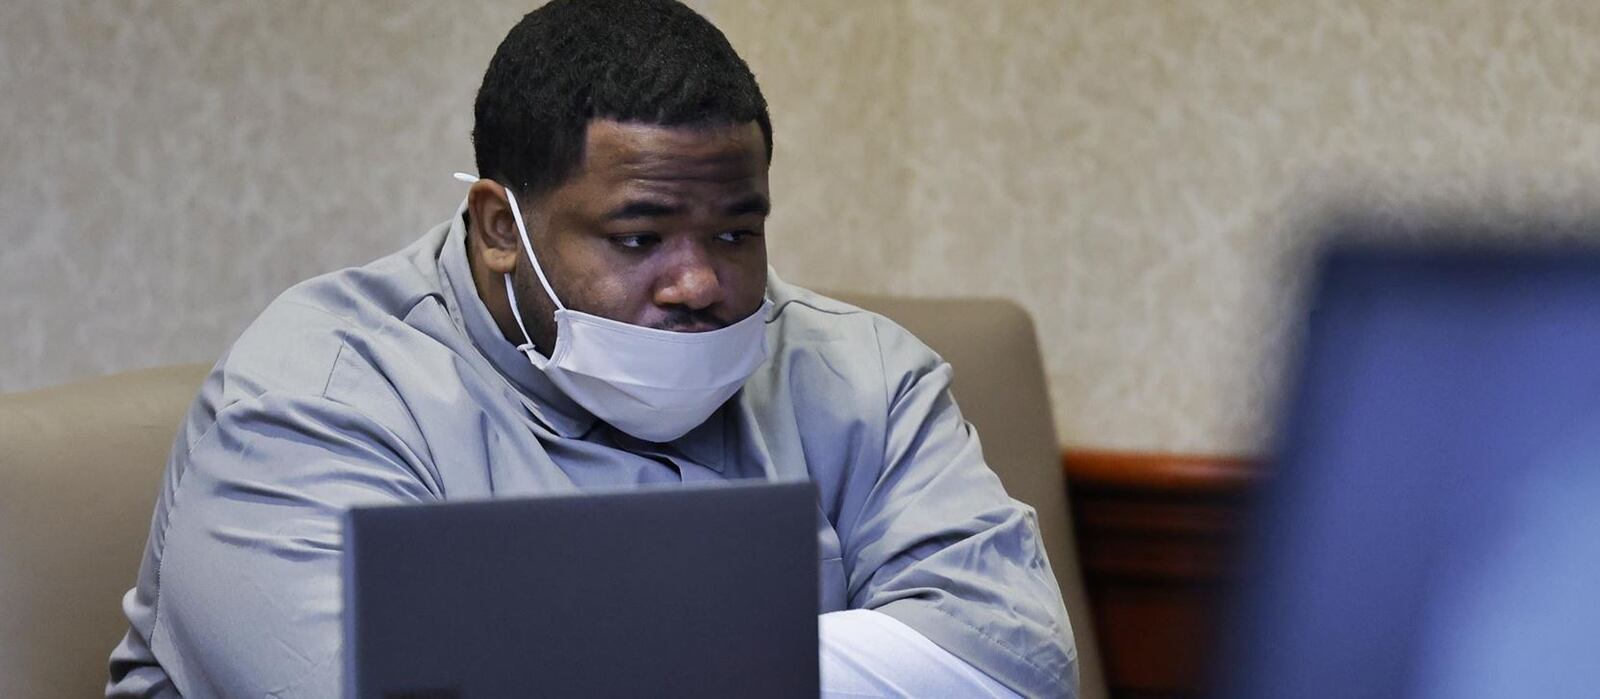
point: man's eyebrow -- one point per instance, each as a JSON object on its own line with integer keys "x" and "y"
{"x": 757, "y": 204}
{"x": 642, "y": 209}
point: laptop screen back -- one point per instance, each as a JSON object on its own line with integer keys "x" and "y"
{"x": 687, "y": 591}
{"x": 1429, "y": 528}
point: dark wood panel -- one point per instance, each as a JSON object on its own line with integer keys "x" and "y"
{"x": 1156, "y": 533}
{"x": 1159, "y": 473}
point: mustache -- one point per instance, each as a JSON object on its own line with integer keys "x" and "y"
{"x": 690, "y": 320}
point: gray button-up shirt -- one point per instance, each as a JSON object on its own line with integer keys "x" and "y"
{"x": 390, "y": 383}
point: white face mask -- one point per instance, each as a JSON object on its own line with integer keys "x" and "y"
{"x": 653, "y": 384}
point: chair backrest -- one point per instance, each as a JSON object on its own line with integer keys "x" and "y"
{"x": 1000, "y": 384}
{"x": 80, "y": 466}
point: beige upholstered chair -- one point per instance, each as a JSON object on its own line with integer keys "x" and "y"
{"x": 79, "y": 469}
{"x": 80, "y": 465}
{"x": 1000, "y": 386}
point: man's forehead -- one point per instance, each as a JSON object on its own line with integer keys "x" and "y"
{"x": 713, "y": 152}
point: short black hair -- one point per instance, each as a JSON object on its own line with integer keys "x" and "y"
{"x": 572, "y": 61}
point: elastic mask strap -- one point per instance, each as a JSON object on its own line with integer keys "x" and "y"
{"x": 511, "y": 294}
{"x": 522, "y": 231}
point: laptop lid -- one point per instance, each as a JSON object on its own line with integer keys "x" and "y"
{"x": 1428, "y": 529}
{"x": 666, "y": 592}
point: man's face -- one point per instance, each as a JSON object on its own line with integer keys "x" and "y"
{"x": 660, "y": 226}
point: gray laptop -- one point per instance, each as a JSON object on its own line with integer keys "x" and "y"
{"x": 686, "y": 591}
{"x": 1430, "y": 527}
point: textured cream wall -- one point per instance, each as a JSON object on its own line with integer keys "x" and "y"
{"x": 1136, "y": 172}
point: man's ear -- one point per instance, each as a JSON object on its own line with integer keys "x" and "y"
{"x": 489, "y": 210}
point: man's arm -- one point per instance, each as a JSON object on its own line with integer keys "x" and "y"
{"x": 240, "y": 592}
{"x": 867, "y": 654}
{"x": 933, "y": 540}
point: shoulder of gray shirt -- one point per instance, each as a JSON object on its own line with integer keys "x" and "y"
{"x": 372, "y": 315}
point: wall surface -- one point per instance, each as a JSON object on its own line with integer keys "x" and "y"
{"x": 1137, "y": 173}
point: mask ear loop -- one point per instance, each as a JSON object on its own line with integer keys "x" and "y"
{"x": 511, "y": 294}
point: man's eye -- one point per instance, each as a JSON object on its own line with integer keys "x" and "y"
{"x": 735, "y": 236}
{"x": 634, "y": 242}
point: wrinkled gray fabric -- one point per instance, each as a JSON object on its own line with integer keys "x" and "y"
{"x": 390, "y": 383}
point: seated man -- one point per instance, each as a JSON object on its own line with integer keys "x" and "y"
{"x": 598, "y": 312}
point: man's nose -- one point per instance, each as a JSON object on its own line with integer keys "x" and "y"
{"x": 689, "y": 280}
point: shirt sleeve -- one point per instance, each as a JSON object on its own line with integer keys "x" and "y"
{"x": 239, "y": 594}
{"x": 866, "y": 654}
{"x": 936, "y": 543}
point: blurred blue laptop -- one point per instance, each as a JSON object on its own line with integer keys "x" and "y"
{"x": 674, "y": 592}
{"x": 1432, "y": 526}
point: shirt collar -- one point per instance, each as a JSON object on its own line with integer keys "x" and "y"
{"x": 547, "y": 402}
{"x": 704, "y": 445}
